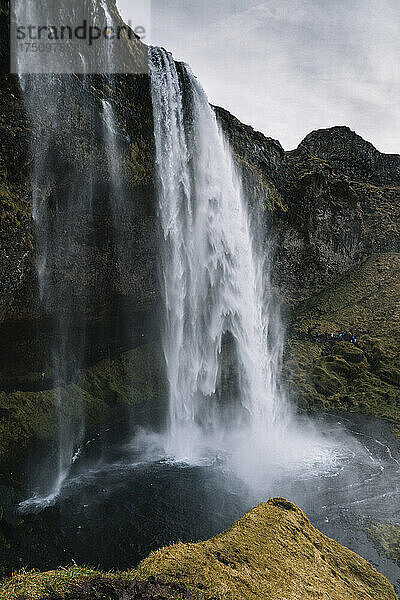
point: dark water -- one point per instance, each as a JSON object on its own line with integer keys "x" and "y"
{"x": 117, "y": 505}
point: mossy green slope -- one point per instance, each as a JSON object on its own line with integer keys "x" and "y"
{"x": 387, "y": 538}
{"x": 334, "y": 375}
{"x": 272, "y": 553}
{"x": 31, "y": 585}
{"x": 100, "y": 391}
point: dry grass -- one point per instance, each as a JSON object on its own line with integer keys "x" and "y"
{"x": 272, "y": 553}
{"x": 32, "y": 585}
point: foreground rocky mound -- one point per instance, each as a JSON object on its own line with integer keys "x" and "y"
{"x": 114, "y": 589}
{"x": 273, "y": 552}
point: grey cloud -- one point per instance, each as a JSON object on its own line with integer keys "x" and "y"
{"x": 289, "y": 66}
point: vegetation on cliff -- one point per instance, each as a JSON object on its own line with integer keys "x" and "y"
{"x": 386, "y": 537}
{"x": 129, "y": 379}
{"x": 328, "y": 374}
{"x": 272, "y": 552}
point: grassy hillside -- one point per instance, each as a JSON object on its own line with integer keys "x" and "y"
{"x": 273, "y": 552}
{"x": 337, "y": 375}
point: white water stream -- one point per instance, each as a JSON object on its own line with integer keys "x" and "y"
{"x": 216, "y": 286}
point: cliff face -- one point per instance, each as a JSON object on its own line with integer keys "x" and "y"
{"x": 333, "y": 201}
{"x": 116, "y": 290}
{"x": 102, "y": 269}
{"x": 333, "y": 207}
{"x": 352, "y": 156}
{"x": 98, "y": 279}
{"x": 272, "y": 552}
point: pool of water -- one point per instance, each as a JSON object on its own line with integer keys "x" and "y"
{"x": 119, "y": 501}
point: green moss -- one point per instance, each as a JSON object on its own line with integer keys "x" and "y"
{"x": 349, "y": 352}
{"x": 99, "y": 392}
{"x": 35, "y": 586}
{"x": 274, "y": 201}
{"x": 134, "y": 377}
{"x": 272, "y": 552}
{"x": 15, "y": 205}
{"x": 140, "y": 163}
{"x": 390, "y": 375}
{"x": 338, "y": 375}
{"x": 28, "y": 416}
{"x": 325, "y": 383}
{"x": 387, "y": 538}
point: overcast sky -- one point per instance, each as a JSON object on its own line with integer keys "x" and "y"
{"x": 287, "y": 67}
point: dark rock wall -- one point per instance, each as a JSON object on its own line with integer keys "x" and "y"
{"x": 114, "y": 281}
{"x": 352, "y": 156}
{"x": 333, "y": 202}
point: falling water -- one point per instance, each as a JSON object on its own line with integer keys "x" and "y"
{"x": 215, "y": 276}
{"x": 62, "y": 222}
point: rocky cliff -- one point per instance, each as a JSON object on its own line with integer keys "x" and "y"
{"x": 272, "y": 552}
{"x": 103, "y": 297}
{"x": 89, "y": 271}
{"x": 333, "y": 207}
{"x": 334, "y": 201}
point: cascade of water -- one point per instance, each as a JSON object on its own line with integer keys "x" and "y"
{"x": 215, "y": 276}
{"x": 57, "y": 236}
{"x": 62, "y": 222}
{"x": 120, "y": 203}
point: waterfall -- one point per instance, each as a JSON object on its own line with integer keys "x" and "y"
{"x": 215, "y": 277}
{"x": 64, "y": 221}
{"x": 58, "y": 228}
{"x": 220, "y": 313}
